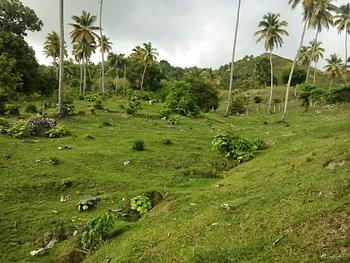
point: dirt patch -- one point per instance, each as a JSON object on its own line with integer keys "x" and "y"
{"x": 332, "y": 164}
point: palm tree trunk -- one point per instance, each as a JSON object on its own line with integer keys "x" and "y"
{"x": 291, "y": 73}
{"x": 233, "y": 60}
{"x": 312, "y": 54}
{"x": 84, "y": 77}
{"x": 271, "y": 91}
{"x": 315, "y": 72}
{"x": 116, "y": 79}
{"x": 60, "y": 84}
{"x": 81, "y": 78}
{"x": 331, "y": 85}
{"x": 346, "y": 50}
{"x": 103, "y": 90}
{"x": 143, "y": 77}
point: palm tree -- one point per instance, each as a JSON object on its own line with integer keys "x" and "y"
{"x": 78, "y": 54}
{"x": 83, "y": 35}
{"x": 116, "y": 61}
{"x": 308, "y": 7}
{"x": 105, "y": 46}
{"x": 272, "y": 32}
{"x": 304, "y": 55}
{"x": 52, "y": 46}
{"x": 334, "y": 68}
{"x": 147, "y": 54}
{"x": 342, "y": 21}
{"x": 233, "y": 60}
{"x": 315, "y": 55}
{"x": 60, "y": 112}
{"x": 322, "y": 17}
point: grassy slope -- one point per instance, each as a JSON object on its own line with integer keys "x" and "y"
{"x": 284, "y": 194}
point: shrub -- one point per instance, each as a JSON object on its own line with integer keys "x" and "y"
{"x": 19, "y": 131}
{"x": 258, "y": 99}
{"x": 139, "y": 145}
{"x": 141, "y": 204}
{"x": 68, "y": 109}
{"x": 237, "y": 106}
{"x": 97, "y": 230}
{"x": 299, "y": 76}
{"x": 57, "y": 132}
{"x": 259, "y": 144}
{"x": 31, "y": 108}
{"x": 91, "y": 97}
{"x": 179, "y": 100}
{"x": 340, "y": 95}
{"x": 4, "y": 125}
{"x": 98, "y": 105}
{"x": 167, "y": 141}
{"x": 276, "y": 101}
{"x": 235, "y": 148}
{"x": 204, "y": 95}
{"x": 174, "y": 121}
{"x": 55, "y": 161}
{"x": 309, "y": 93}
{"x": 13, "y": 110}
{"x": 133, "y": 106}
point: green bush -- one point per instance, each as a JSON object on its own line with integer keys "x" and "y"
{"x": 340, "y": 95}
{"x": 91, "y": 97}
{"x": 299, "y": 76}
{"x": 98, "y": 105}
{"x": 13, "y": 110}
{"x": 174, "y": 121}
{"x": 57, "y": 132}
{"x": 167, "y": 141}
{"x": 141, "y": 204}
{"x": 204, "y": 95}
{"x": 133, "y": 106}
{"x": 309, "y": 93}
{"x": 237, "y": 106}
{"x": 139, "y": 145}
{"x": 179, "y": 100}
{"x": 97, "y": 230}
{"x": 4, "y": 126}
{"x": 19, "y": 131}
{"x": 31, "y": 108}
{"x": 235, "y": 148}
{"x": 258, "y": 99}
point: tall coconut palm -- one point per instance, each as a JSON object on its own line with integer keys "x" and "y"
{"x": 52, "y": 46}
{"x": 315, "y": 55}
{"x": 308, "y": 7}
{"x": 233, "y": 59}
{"x": 322, "y": 17}
{"x": 60, "y": 112}
{"x": 83, "y": 34}
{"x": 116, "y": 61}
{"x": 103, "y": 90}
{"x": 342, "y": 21}
{"x": 78, "y": 54}
{"x": 148, "y": 55}
{"x": 104, "y": 44}
{"x": 334, "y": 68}
{"x": 272, "y": 33}
{"x": 304, "y": 55}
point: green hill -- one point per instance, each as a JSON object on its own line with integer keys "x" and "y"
{"x": 289, "y": 204}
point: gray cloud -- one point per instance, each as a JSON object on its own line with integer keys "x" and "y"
{"x": 186, "y": 33}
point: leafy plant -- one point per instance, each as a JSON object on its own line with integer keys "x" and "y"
{"x": 13, "y": 110}
{"x": 133, "y": 105}
{"x": 174, "y": 121}
{"x": 98, "y": 105}
{"x": 235, "y": 148}
{"x": 97, "y": 230}
{"x": 4, "y": 125}
{"x": 141, "y": 204}
{"x": 259, "y": 144}
{"x": 91, "y": 97}
{"x": 179, "y": 100}
{"x": 19, "y": 131}
{"x": 68, "y": 109}
{"x": 31, "y": 108}
{"x": 167, "y": 141}
{"x": 258, "y": 99}
{"x": 139, "y": 145}
{"x": 340, "y": 95}
{"x": 308, "y": 94}
{"x": 57, "y": 132}
{"x": 55, "y": 161}
{"x": 237, "y": 106}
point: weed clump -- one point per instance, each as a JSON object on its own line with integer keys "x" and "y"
{"x": 167, "y": 141}
{"x": 139, "y": 145}
{"x": 57, "y": 132}
{"x": 141, "y": 204}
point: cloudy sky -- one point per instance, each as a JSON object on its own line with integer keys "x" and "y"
{"x": 185, "y": 32}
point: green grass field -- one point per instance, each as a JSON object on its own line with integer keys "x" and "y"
{"x": 289, "y": 204}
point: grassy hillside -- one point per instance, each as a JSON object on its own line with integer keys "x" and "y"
{"x": 289, "y": 204}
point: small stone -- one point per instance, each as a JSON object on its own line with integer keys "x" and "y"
{"x": 126, "y": 162}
